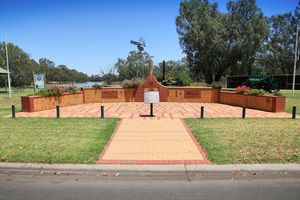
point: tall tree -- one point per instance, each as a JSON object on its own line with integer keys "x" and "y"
{"x": 247, "y": 30}
{"x": 199, "y": 25}
{"x": 215, "y": 42}
{"x": 134, "y": 66}
{"x": 20, "y": 64}
{"x": 279, "y": 53}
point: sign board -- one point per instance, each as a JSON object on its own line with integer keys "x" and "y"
{"x": 39, "y": 81}
{"x": 151, "y": 97}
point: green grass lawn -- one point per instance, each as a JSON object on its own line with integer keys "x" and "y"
{"x": 6, "y": 102}
{"x": 290, "y": 102}
{"x": 51, "y": 140}
{"x": 236, "y": 141}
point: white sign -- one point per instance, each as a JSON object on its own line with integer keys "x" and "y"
{"x": 151, "y": 97}
{"x": 39, "y": 81}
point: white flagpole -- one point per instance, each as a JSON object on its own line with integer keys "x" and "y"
{"x": 8, "y": 76}
{"x": 294, "y": 74}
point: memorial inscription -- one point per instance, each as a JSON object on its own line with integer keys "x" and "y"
{"x": 109, "y": 94}
{"x": 192, "y": 95}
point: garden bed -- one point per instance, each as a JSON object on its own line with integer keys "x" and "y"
{"x": 259, "y": 102}
{"x": 38, "y": 103}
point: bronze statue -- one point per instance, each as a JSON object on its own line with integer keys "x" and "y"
{"x": 151, "y": 66}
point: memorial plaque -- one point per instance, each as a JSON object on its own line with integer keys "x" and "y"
{"x": 109, "y": 94}
{"x": 192, "y": 95}
{"x": 151, "y": 97}
{"x": 39, "y": 81}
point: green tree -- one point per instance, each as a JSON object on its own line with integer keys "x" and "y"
{"x": 171, "y": 67}
{"x": 279, "y": 53}
{"x": 247, "y": 30}
{"x": 185, "y": 78}
{"x": 47, "y": 66}
{"x": 215, "y": 42}
{"x": 134, "y": 66}
{"x": 20, "y": 65}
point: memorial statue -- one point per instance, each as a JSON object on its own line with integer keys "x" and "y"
{"x": 151, "y": 66}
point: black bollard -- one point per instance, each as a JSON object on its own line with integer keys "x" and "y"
{"x": 151, "y": 109}
{"x": 202, "y": 112}
{"x": 244, "y": 112}
{"x": 294, "y": 112}
{"x": 13, "y": 111}
{"x": 57, "y": 112}
{"x": 102, "y": 111}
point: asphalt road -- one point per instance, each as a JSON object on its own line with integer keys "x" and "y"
{"x": 37, "y": 184}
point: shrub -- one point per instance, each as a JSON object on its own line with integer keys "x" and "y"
{"x": 242, "y": 90}
{"x": 96, "y": 86}
{"x": 105, "y": 84}
{"x": 196, "y": 84}
{"x": 216, "y": 84}
{"x": 257, "y": 92}
{"x": 185, "y": 78}
{"x": 71, "y": 89}
{"x": 135, "y": 82}
{"x": 56, "y": 90}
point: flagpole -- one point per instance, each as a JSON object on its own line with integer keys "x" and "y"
{"x": 295, "y": 63}
{"x": 8, "y": 76}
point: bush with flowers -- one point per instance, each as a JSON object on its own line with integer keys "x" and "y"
{"x": 54, "y": 90}
{"x": 242, "y": 89}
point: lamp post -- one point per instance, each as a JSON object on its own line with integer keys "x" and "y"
{"x": 295, "y": 63}
{"x": 8, "y": 76}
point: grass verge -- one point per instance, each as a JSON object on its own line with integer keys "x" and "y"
{"x": 290, "y": 102}
{"x": 237, "y": 141}
{"x": 6, "y": 102}
{"x": 51, "y": 140}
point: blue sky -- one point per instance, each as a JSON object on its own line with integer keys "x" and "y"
{"x": 91, "y": 34}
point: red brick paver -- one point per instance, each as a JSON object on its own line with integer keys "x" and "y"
{"x": 161, "y": 110}
{"x": 160, "y": 140}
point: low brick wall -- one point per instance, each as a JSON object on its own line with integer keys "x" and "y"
{"x": 193, "y": 94}
{"x": 38, "y": 103}
{"x": 259, "y": 102}
{"x": 166, "y": 94}
{"x": 108, "y": 94}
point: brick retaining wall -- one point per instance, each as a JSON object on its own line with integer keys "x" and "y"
{"x": 166, "y": 94}
{"x": 259, "y": 102}
{"x": 38, "y": 103}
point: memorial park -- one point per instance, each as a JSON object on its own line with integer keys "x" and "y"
{"x": 155, "y": 114}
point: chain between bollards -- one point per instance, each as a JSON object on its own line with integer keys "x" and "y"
{"x": 202, "y": 112}
{"x": 13, "y": 109}
{"x": 244, "y": 112}
{"x": 57, "y": 112}
{"x": 102, "y": 111}
{"x": 294, "y": 112}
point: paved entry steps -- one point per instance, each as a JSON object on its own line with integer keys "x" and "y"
{"x": 153, "y": 141}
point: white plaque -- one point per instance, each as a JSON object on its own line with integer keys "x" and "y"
{"x": 39, "y": 81}
{"x": 151, "y": 97}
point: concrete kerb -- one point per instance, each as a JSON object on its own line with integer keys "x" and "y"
{"x": 152, "y": 168}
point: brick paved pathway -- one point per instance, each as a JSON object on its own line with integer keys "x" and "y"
{"x": 161, "y": 110}
{"x": 153, "y": 141}
{"x": 163, "y": 139}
